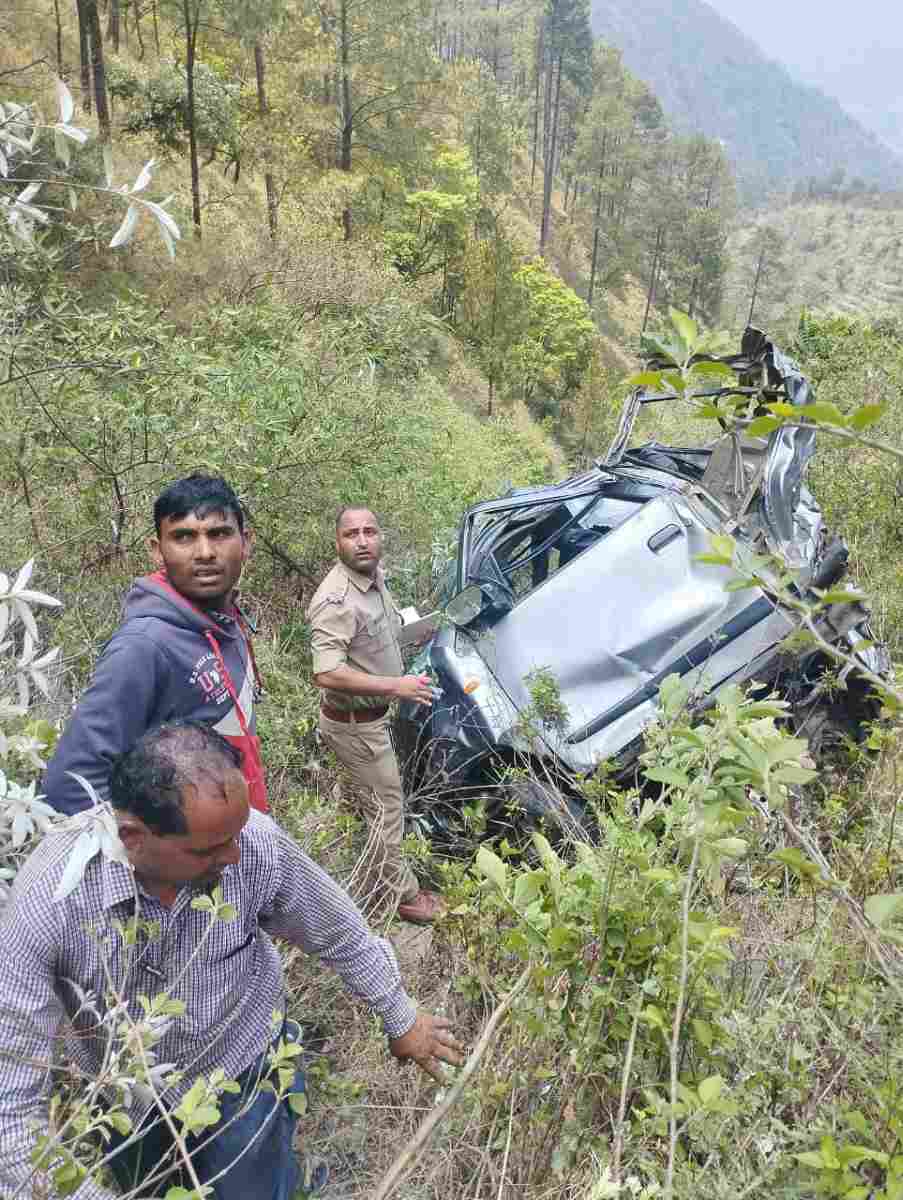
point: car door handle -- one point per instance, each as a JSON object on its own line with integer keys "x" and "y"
{"x": 664, "y": 538}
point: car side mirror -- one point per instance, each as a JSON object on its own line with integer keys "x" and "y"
{"x": 464, "y": 608}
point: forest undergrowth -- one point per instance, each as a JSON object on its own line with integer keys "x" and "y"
{"x": 704, "y": 1001}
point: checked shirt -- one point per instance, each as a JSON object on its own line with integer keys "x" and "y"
{"x": 52, "y": 952}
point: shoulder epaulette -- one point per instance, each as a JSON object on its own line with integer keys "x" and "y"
{"x": 332, "y": 590}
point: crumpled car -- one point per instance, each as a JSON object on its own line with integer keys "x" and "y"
{"x": 596, "y": 582}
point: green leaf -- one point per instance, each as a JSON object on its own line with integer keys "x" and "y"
{"x": 654, "y": 1016}
{"x": 204, "y": 1115}
{"x": 559, "y": 937}
{"x": 704, "y": 1032}
{"x": 686, "y": 327}
{"x": 227, "y": 912}
{"x": 785, "y": 749}
{"x": 794, "y": 860}
{"x": 851, "y": 1154}
{"x": 822, "y": 412}
{"x": 732, "y": 847}
{"x": 67, "y": 1178}
{"x": 527, "y": 887}
{"x": 829, "y": 1153}
{"x": 675, "y": 381}
{"x": 811, "y": 1158}
{"x": 708, "y": 412}
{"x": 297, "y": 1102}
{"x": 793, "y": 774}
{"x": 884, "y": 908}
{"x": 547, "y": 856}
{"x": 714, "y": 370}
{"x": 653, "y": 344}
{"x": 492, "y": 867}
{"x": 647, "y": 379}
{"x": 120, "y": 1123}
{"x": 710, "y": 1089}
{"x": 839, "y": 596}
{"x": 660, "y": 875}
{"x": 722, "y": 545}
{"x": 668, "y": 775}
{"x": 867, "y": 415}
{"x": 763, "y": 426}
{"x": 716, "y": 560}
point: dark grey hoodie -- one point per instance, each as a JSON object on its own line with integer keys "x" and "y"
{"x": 168, "y": 660}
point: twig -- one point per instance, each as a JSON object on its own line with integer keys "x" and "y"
{"x": 679, "y": 1014}
{"x": 19, "y": 70}
{"x": 889, "y": 960}
{"x": 402, "y": 1163}
{"x": 622, "y": 1106}
{"x": 507, "y": 1144}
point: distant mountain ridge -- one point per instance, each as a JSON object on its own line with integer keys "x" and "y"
{"x": 711, "y": 77}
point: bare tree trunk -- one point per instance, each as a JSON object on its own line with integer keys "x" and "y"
{"x": 547, "y": 112}
{"x": 113, "y": 25}
{"x": 549, "y": 180}
{"x": 98, "y": 70}
{"x": 191, "y": 38}
{"x": 493, "y": 324}
{"x": 138, "y": 33}
{"x": 596, "y": 222}
{"x": 539, "y": 53}
{"x": 156, "y": 26}
{"x": 755, "y": 291}
{"x": 653, "y": 275}
{"x": 59, "y": 39}
{"x": 345, "y": 102}
{"x": 263, "y": 108}
{"x": 495, "y": 41}
{"x": 84, "y": 54}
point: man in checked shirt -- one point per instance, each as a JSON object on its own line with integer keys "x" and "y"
{"x": 181, "y": 805}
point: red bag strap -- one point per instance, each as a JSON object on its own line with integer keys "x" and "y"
{"x": 227, "y": 679}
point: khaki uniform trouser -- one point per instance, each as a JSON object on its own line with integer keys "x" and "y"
{"x": 365, "y": 750}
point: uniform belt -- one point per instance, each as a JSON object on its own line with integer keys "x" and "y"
{"x": 358, "y": 716}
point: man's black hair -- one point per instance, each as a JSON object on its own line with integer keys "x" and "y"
{"x": 347, "y": 508}
{"x": 198, "y": 494}
{"x": 148, "y": 781}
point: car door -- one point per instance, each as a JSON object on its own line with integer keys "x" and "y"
{"x": 613, "y": 622}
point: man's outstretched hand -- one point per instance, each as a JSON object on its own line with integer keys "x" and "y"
{"x": 429, "y": 1038}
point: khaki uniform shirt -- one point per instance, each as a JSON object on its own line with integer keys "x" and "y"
{"x": 353, "y": 620}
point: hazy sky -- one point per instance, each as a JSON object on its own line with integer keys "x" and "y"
{"x": 853, "y": 50}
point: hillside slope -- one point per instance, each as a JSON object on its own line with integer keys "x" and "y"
{"x": 711, "y": 77}
{"x": 836, "y": 258}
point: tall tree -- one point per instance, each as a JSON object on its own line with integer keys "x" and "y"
{"x": 191, "y": 16}
{"x": 385, "y": 72}
{"x": 89, "y": 24}
{"x": 767, "y": 250}
{"x": 568, "y": 53}
{"x": 84, "y": 54}
{"x": 113, "y": 23}
{"x": 263, "y": 109}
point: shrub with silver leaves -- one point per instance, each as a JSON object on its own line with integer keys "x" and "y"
{"x": 24, "y": 816}
{"x": 26, "y": 171}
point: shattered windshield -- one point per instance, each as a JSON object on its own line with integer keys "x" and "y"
{"x": 516, "y": 550}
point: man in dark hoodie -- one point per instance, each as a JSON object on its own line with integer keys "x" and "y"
{"x": 182, "y": 652}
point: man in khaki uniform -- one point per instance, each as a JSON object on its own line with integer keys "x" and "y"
{"x": 357, "y": 663}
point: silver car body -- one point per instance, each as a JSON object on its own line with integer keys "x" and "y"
{"x": 598, "y": 581}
